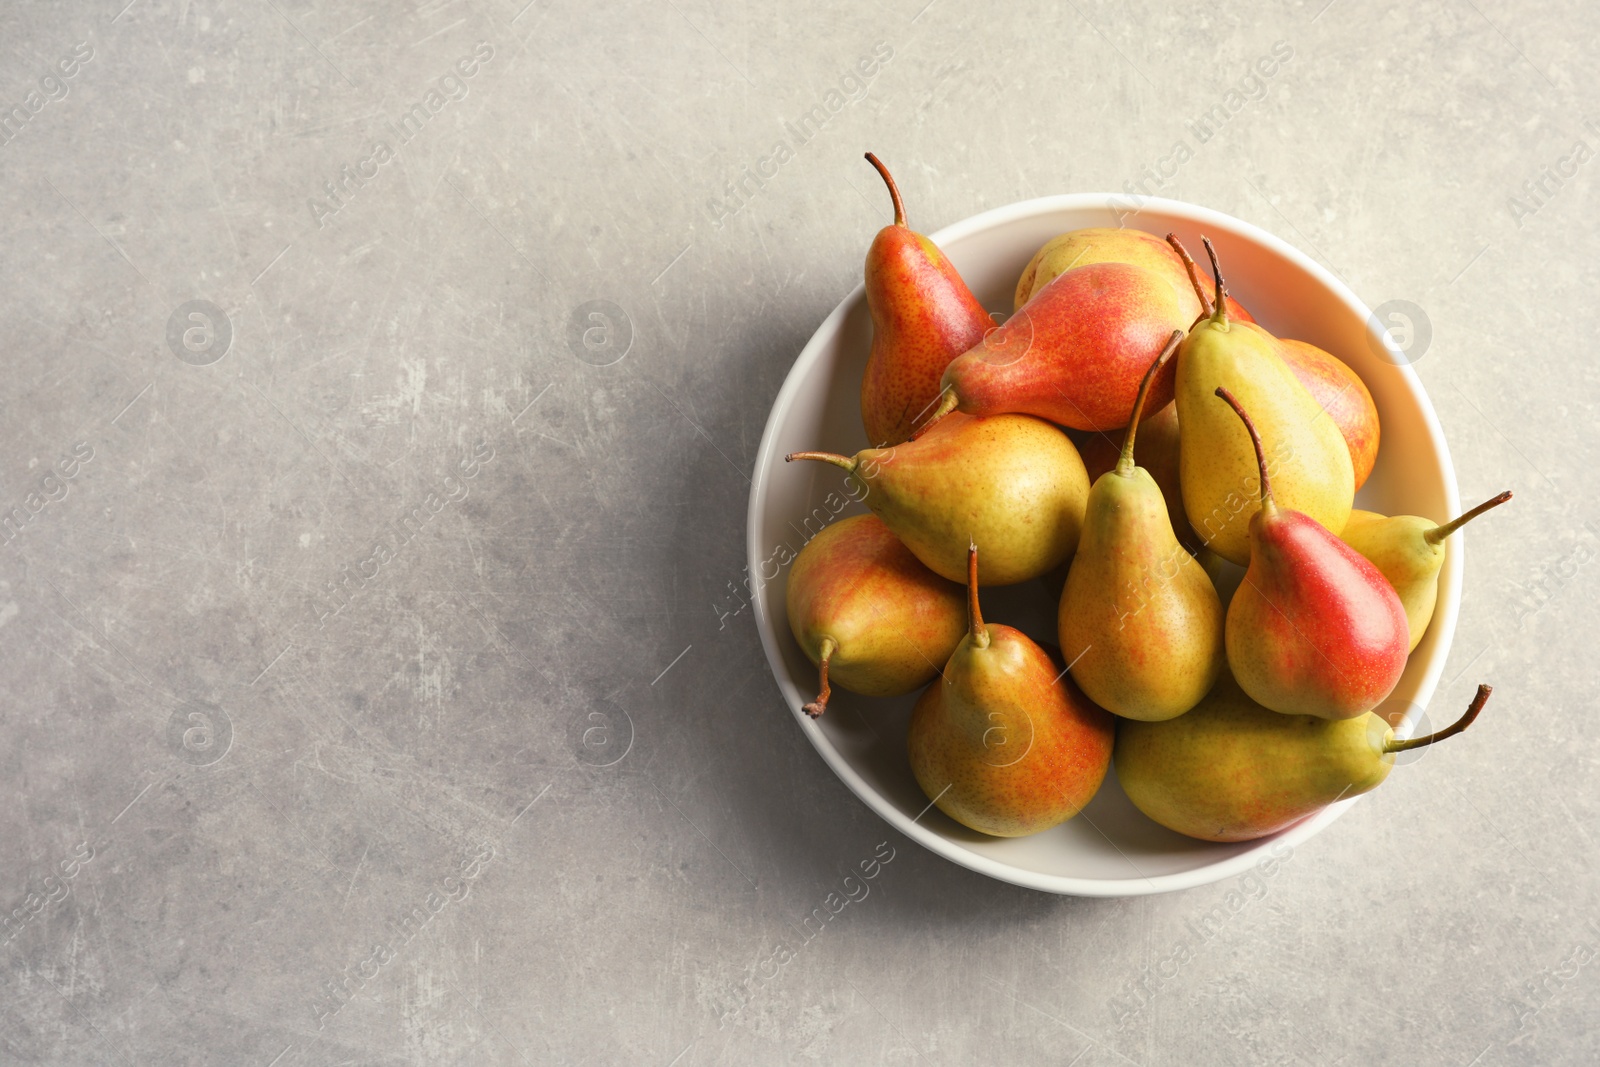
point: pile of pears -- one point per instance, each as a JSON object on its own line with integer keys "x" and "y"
{"x": 1124, "y": 440}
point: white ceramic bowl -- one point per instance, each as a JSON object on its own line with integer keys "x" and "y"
{"x": 1111, "y": 849}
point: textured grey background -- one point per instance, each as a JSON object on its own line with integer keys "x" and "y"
{"x": 224, "y": 784}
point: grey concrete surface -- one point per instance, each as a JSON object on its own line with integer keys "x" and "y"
{"x": 366, "y": 588}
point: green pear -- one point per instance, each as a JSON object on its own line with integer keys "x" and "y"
{"x": 1409, "y": 550}
{"x": 1003, "y": 742}
{"x": 1231, "y": 770}
{"x": 1140, "y": 621}
{"x": 1014, "y": 483}
{"x": 868, "y": 613}
{"x": 1310, "y": 462}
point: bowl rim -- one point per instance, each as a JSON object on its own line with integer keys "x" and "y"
{"x": 928, "y": 837}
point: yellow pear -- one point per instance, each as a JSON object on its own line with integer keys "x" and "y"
{"x": 1409, "y": 550}
{"x": 1140, "y": 621}
{"x": 1013, "y": 482}
{"x": 1309, "y": 460}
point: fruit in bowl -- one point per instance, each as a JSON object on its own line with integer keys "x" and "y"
{"x": 1004, "y": 742}
{"x": 1140, "y": 621}
{"x": 871, "y": 617}
{"x": 1116, "y": 845}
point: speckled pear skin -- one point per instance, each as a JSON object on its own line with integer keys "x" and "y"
{"x": 1107, "y": 245}
{"x": 892, "y": 621}
{"x": 923, "y": 316}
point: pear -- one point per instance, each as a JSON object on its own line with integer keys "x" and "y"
{"x": 1311, "y": 462}
{"x": 1230, "y": 770}
{"x": 1140, "y": 621}
{"x": 1014, "y": 481}
{"x": 1074, "y": 354}
{"x": 1313, "y": 629}
{"x": 1408, "y": 551}
{"x": 1003, "y": 742}
{"x": 923, "y": 316}
{"x": 868, "y": 614}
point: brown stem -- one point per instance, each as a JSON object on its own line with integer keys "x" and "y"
{"x": 1439, "y": 533}
{"x": 894, "y": 190}
{"x": 1125, "y": 461}
{"x": 1454, "y": 728}
{"x": 1220, "y": 314}
{"x": 979, "y": 632}
{"x": 1255, "y": 439}
{"x": 948, "y": 402}
{"x": 827, "y": 457}
{"x": 1194, "y": 272}
{"x": 819, "y": 705}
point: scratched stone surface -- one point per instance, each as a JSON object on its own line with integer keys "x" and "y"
{"x": 382, "y": 387}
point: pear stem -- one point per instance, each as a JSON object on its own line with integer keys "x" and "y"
{"x": 1454, "y": 728}
{"x": 948, "y": 402}
{"x": 979, "y": 632}
{"x": 1255, "y": 440}
{"x": 1220, "y": 314}
{"x": 827, "y": 457}
{"x": 1194, "y": 273}
{"x": 1439, "y": 533}
{"x": 894, "y": 190}
{"x": 819, "y": 705}
{"x": 1125, "y": 462}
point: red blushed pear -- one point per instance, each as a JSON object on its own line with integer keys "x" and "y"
{"x": 1076, "y": 352}
{"x": 1314, "y": 629}
{"x": 1004, "y": 743}
{"x": 873, "y": 619}
{"x": 923, "y": 316}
